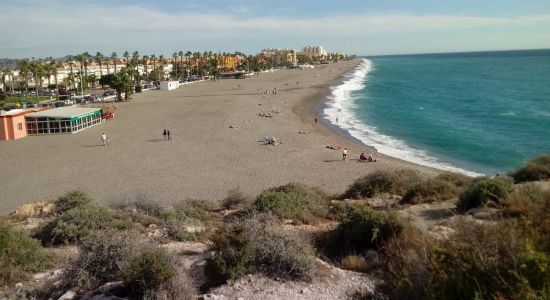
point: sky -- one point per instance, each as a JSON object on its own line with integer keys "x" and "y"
{"x": 42, "y": 28}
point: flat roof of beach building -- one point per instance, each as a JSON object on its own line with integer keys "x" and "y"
{"x": 64, "y": 112}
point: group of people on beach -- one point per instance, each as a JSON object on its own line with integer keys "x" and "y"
{"x": 166, "y": 135}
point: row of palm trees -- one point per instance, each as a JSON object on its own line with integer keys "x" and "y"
{"x": 184, "y": 64}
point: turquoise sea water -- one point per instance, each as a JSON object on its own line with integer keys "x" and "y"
{"x": 472, "y": 112}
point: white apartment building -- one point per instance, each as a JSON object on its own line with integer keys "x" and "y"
{"x": 314, "y": 51}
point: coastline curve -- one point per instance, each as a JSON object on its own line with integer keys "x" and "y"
{"x": 338, "y": 112}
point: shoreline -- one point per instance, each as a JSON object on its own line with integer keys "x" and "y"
{"x": 217, "y": 145}
{"x": 425, "y": 162}
{"x": 316, "y": 106}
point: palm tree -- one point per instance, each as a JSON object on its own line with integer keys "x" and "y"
{"x": 188, "y": 55}
{"x": 114, "y": 57}
{"x": 126, "y": 56}
{"x": 162, "y": 61}
{"x": 55, "y": 67}
{"x": 145, "y": 63}
{"x": 99, "y": 57}
{"x": 71, "y": 74}
{"x": 87, "y": 57}
{"x": 24, "y": 71}
{"x": 174, "y": 68}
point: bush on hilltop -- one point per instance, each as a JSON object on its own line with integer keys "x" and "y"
{"x": 443, "y": 187}
{"x": 533, "y": 170}
{"x": 259, "y": 244}
{"x": 361, "y": 228}
{"x": 20, "y": 255}
{"x": 484, "y": 191}
{"x": 395, "y": 182}
{"x": 75, "y": 224}
{"x": 71, "y": 200}
{"x": 294, "y": 201}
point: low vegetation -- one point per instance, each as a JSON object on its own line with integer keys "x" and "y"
{"x": 444, "y": 186}
{"x": 235, "y": 197}
{"x": 74, "y": 225}
{"x": 533, "y": 170}
{"x": 20, "y": 255}
{"x": 259, "y": 244}
{"x": 395, "y": 182}
{"x": 484, "y": 191}
{"x": 504, "y": 257}
{"x": 294, "y": 201}
{"x": 361, "y": 229}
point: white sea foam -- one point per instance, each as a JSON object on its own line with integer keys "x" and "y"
{"x": 339, "y": 111}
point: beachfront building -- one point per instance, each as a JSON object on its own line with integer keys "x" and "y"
{"x": 279, "y": 57}
{"x": 62, "y": 120}
{"x": 314, "y": 51}
{"x": 13, "y": 125}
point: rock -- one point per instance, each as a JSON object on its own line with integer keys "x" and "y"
{"x": 19, "y": 285}
{"x": 288, "y": 222}
{"x": 187, "y": 248}
{"x": 304, "y": 291}
{"x": 69, "y": 295}
{"x": 109, "y": 286}
{"x": 152, "y": 226}
{"x": 193, "y": 228}
{"x": 441, "y": 232}
{"x": 31, "y": 210}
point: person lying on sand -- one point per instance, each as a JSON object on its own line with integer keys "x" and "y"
{"x": 337, "y": 147}
{"x": 370, "y": 158}
{"x": 301, "y": 132}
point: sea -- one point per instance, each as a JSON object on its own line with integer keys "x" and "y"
{"x": 477, "y": 113}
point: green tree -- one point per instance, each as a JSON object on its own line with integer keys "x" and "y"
{"x": 121, "y": 82}
{"x": 126, "y": 56}
{"x": 114, "y": 58}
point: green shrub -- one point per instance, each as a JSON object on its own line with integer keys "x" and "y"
{"x": 431, "y": 190}
{"x": 361, "y": 228}
{"x": 259, "y": 244}
{"x": 20, "y": 255}
{"x": 192, "y": 209}
{"x": 456, "y": 179}
{"x": 533, "y": 170}
{"x": 293, "y": 201}
{"x": 177, "y": 230}
{"x": 394, "y": 182}
{"x": 101, "y": 257}
{"x": 478, "y": 262}
{"x": 71, "y": 200}
{"x": 148, "y": 272}
{"x": 76, "y": 224}
{"x": 234, "y": 198}
{"x": 484, "y": 191}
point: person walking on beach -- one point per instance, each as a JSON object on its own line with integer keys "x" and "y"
{"x": 164, "y": 135}
{"x": 168, "y": 137}
{"x": 315, "y": 119}
{"x": 345, "y": 154}
{"x": 104, "y": 139}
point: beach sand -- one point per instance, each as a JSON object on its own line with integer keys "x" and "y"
{"x": 206, "y": 158}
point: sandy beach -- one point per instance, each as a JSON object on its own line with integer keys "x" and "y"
{"x": 206, "y": 158}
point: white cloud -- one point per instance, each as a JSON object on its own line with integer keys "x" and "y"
{"x": 83, "y": 24}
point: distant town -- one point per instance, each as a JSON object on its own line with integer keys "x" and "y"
{"x": 34, "y": 86}
{"x": 42, "y": 76}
